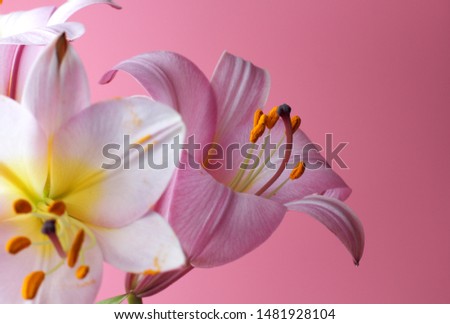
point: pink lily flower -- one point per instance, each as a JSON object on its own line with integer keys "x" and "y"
{"x": 61, "y": 213}
{"x": 220, "y": 215}
{"x": 22, "y": 32}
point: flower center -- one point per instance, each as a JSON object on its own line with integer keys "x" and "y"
{"x": 59, "y": 232}
{"x": 244, "y": 181}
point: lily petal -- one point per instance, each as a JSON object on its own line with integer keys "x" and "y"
{"x": 63, "y": 12}
{"x": 338, "y": 218}
{"x": 240, "y": 89}
{"x": 57, "y": 87}
{"x": 22, "y": 21}
{"x": 151, "y": 284}
{"x": 7, "y": 53}
{"x": 24, "y": 60}
{"x": 147, "y": 244}
{"x": 87, "y": 147}
{"x": 223, "y": 225}
{"x": 23, "y": 152}
{"x": 177, "y": 82}
{"x": 44, "y": 35}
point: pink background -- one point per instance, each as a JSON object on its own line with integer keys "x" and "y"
{"x": 376, "y": 74}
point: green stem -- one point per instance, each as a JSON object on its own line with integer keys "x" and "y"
{"x": 133, "y": 299}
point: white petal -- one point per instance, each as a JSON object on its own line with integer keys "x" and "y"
{"x": 70, "y": 7}
{"x": 22, "y": 21}
{"x": 57, "y": 87}
{"x": 45, "y": 35}
{"x": 23, "y": 151}
{"x": 114, "y": 197}
{"x": 147, "y": 244}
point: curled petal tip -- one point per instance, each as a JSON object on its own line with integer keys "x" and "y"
{"x": 338, "y": 218}
{"x": 108, "y": 77}
{"x": 115, "y": 5}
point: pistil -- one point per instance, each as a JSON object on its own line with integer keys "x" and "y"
{"x": 284, "y": 112}
{"x": 49, "y": 229}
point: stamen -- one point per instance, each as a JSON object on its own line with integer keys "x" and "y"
{"x": 49, "y": 229}
{"x": 298, "y": 171}
{"x": 74, "y": 251}
{"x": 57, "y": 208}
{"x": 143, "y": 140}
{"x": 256, "y": 133}
{"x": 259, "y": 129}
{"x": 295, "y": 123}
{"x": 151, "y": 272}
{"x": 82, "y": 272}
{"x": 31, "y": 284}
{"x": 272, "y": 117}
{"x": 257, "y": 116}
{"x": 254, "y": 173}
{"x": 22, "y": 206}
{"x": 262, "y": 120}
{"x": 17, "y": 244}
{"x": 284, "y": 112}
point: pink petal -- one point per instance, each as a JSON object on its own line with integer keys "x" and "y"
{"x": 70, "y": 7}
{"x": 149, "y": 285}
{"x": 119, "y": 195}
{"x": 174, "y": 80}
{"x": 240, "y": 88}
{"x": 57, "y": 87}
{"x": 147, "y": 244}
{"x": 23, "y": 21}
{"x": 45, "y": 34}
{"x": 338, "y": 218}
{"x": 214, "y": 224}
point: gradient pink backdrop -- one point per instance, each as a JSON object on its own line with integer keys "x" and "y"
{"x": 376, "y": 74}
